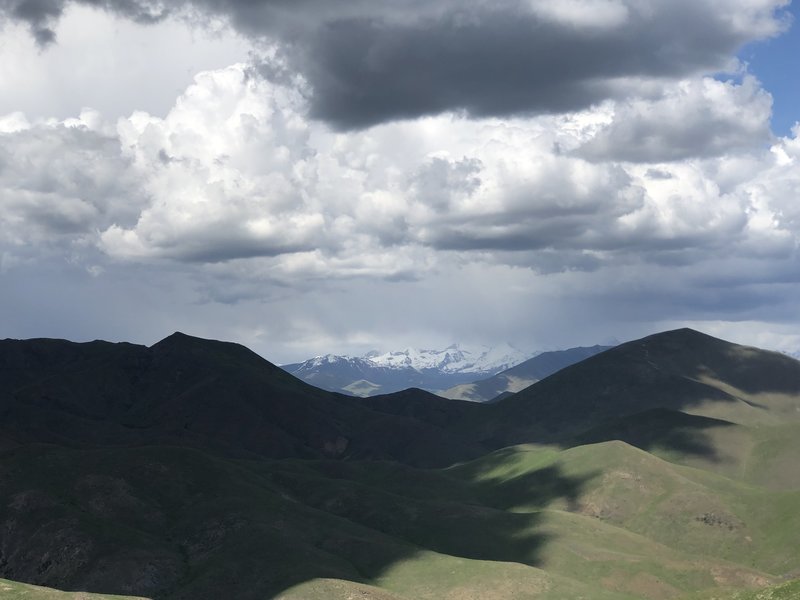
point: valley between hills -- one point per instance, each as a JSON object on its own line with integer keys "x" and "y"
{"x": 663, "y": 468}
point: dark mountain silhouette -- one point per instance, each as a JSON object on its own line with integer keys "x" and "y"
{"x": 221, "y": 396}
{"x": 198, "y": 393}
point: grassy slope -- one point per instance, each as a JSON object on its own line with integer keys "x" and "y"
{"x": 783, "y": 591}
{"x": 748, "y": 532}
{"x": 475, "y": 584}
{"x": 600, "y": 521}
{"x": 680, "y": 370}
{"x": 11, "y": 590}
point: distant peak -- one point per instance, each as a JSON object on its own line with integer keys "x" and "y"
{"x": 178, "y": 335}
{"x": 184, "y": 341}
{"x": 178, "y": 338}
{"x": 683, "y": 333}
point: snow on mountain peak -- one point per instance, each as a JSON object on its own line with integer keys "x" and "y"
{"x": 453, "y": 359}
{"x": 327, "y": 359}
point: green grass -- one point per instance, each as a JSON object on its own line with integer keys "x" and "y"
{"x": 783, "y": 591}
{"x": 598, "y": 521}
{"x": 11, "y": 590}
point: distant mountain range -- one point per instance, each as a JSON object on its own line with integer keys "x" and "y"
{"x": 381, "y": 373}
{"x": 663, "y": 468}
{"x": 479, "y": 375}
{"x": 521, "y": 376}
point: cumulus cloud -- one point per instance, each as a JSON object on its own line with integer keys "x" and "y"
{"x": 60, "y": 181}
{"x": 697, "y": 117}
{"x": 237, "y": 174}
{"x": 225, "y": 171}
{"x": 237, "y": 170}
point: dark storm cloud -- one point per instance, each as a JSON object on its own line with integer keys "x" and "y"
{"x": 371, "y": 62}
{"x": 42, "y": 15}
{"x": 502, "y": 62}
{"x": 39, "y": 14}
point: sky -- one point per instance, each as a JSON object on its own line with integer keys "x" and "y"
{"x": 309, "y": 177}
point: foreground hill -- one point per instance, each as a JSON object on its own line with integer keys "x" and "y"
{"x": 12, "y": 590}
{"x": 679, "y": 371}
{"x": 607, "y": 521}
{"x": 663, "y": 468}
{"x": 522, "y": 375}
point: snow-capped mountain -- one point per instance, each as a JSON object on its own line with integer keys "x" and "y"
{"x": 381, "y": 373}
{"x": 453, "y": 359}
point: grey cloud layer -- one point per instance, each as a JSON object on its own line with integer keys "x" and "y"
{"x": 660, "y": 200}
{"x": 505, "y": 60}
{"x": 370, "y": 62}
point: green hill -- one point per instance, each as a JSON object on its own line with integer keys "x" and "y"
{"x": 680, "y": 370}
{"x": 601, "y": 521}
{"x": 664, "y": 468}
{"x": 11, "y": 590}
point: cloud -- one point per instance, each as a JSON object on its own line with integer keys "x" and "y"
{"x": 238, "y": 203}
{"x": 516, "y": 58}
{"x": 699, "y": 117}
{"x": 238, "y": 175}
{"x": 225, "y": 171}
{"x": 114, "y": 66}
{"x": 60, "y": 182}
{"x": 369, "y": 63}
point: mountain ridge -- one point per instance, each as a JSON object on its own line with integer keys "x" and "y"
{"x": 664, "y": 468}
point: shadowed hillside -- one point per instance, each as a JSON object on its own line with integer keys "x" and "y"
{"x": 196, "y": 469}
{"x": 680, "y": 370}
{"x": 167, "y": 522}
{"x": 199, "y": 393}
{"x": 221, "y": 396}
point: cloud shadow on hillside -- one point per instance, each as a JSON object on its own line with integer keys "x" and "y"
{"x": 167, "y": 523}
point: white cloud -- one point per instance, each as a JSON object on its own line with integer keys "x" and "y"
{"x": 225, "y": 172}
{"x": 113, "y": 65}
{"x": 698, "y": 117}
{"x": 60, "y": 182}
{"x": 594, "y": 14}
{"x": 236, "y": 173}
